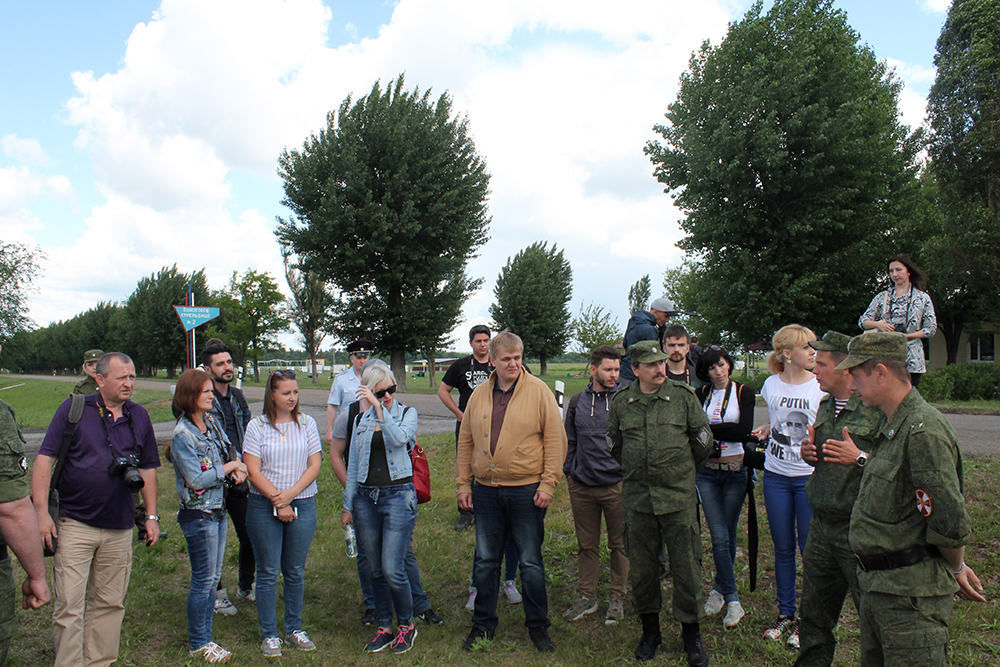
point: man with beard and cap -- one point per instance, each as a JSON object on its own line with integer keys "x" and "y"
{"x": 595, "y": 487}
{"x": 661, "y": 436}
{"x": 676, "y": 347}
{"x": 909, "y": 526}
{"x": 229, "y": 407}
{"x": 345, "y": 385}
{"x": 829, "y": 567}
{"x": 644, "y": 325}
{"x": 88, "y": 385}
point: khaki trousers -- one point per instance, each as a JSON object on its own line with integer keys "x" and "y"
{"x": 91, "y": 574}
{"x": 589, "y": 503}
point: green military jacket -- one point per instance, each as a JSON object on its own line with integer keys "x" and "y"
{"x": 660, "y": 440}
{"x": 833, "y": 488}
{"x": 911, "y": 495}
{"x": 87, "y": 385}
{"x": 13, "y": 465}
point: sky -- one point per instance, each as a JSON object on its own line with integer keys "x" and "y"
{"x": 137, "y": 134}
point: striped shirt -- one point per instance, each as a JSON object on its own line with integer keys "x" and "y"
{"x": 284, "y": 452}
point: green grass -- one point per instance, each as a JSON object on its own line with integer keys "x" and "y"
{"x": 154, "y": 631}
{"x": 35, "y": 401}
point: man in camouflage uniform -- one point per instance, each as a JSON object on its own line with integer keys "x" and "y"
{"x": 909, "y": 527}
{"x": 18, "y": 530}
{"x": 88, "y": 385}
{"x": 829, "y": 566}
{"x": 660, "y": 435}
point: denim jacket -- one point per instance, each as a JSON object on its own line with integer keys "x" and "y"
{"x": 199, "y": 464}
{"x": 398, "y": 431}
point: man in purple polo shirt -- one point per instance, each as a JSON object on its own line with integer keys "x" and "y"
{"x": 96, "y": 512}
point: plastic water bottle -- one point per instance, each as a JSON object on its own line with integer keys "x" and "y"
{"x": 352, "y": 541}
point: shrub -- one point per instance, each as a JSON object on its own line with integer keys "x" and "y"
{"x": 962, "y": 382}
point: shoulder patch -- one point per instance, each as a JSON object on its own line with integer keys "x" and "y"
{"x": 22, "y": 463}
{"x": 924, "y": 504}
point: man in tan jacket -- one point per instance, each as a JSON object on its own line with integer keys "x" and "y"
{"x": 511, "y": 449}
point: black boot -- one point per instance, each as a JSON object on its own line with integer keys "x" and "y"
{"x": 651, "y": 637}
{"x": 691, "y": 634}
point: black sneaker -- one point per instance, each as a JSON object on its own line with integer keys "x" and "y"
{"x": 465, "y": 521}
{"x": 430, "y": 618}
{"x": 383, "y": 639}
{"x": 474, "y": 636}
{"x": 368, "y": 618}
{"x": 540, "y": 638}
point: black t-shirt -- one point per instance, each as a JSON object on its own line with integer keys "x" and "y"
{"x": 229, "y": 417}
{"x": 465, "y": 375}
{"x": 378, "y": 465}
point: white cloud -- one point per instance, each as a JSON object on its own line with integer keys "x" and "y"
{"x": 20, "y": 185}
{"x": 935, "y": 6}
{"x": 26, "y": 151}
{"x": 917, "y": 82}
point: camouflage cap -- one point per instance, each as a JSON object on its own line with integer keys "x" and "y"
{"x": 92, "y": 355}
{"x": 646, "y": 352}
{"x": 877, "y": 345}
{"x": 832, "y": 341}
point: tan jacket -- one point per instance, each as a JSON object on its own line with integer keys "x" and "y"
{"x": 532, "y": 443}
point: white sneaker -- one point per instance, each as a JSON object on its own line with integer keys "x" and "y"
{"x": 213, "y": 653}
{"x": 734, "y": 612}
{"x": 714, "y": 603}
{"x": 250, "y": 595}
{"x": 510, "y": 589}
{"x": 301, "y": 641}
{"x": 271, "y": 647}
{"x": 470, "y": 604}
{"x": 223, "y": 605}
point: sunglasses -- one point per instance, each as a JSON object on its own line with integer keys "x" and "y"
{"x": 388, "y": 390}
{"x": 286, "y": 373}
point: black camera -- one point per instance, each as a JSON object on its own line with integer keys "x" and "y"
{"x": 127, "y": 467}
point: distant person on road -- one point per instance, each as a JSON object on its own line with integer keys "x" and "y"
{"x": 644, "y": 325}
{"x": 904, "y": 308}
{"x": 88, "y": 385}
{"x": 346, "y": 384}
{"x": 18, "y": 530}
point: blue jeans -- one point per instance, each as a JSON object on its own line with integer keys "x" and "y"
{"x": 788, "y": 515}
{"x": 420, "y": 601}
{"x": 721, "y": 493}
{"x": 508, "y": 513}
{"x": 280, "y": 548}
{"x": 384, "y": 517}
{"x": 510, "y": 561}
{"x": 206, "y": 542}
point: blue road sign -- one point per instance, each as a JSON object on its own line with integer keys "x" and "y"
{"x": 192, "y": 316}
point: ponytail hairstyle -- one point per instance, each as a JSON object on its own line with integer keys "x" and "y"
{"x": 787, "y": 338}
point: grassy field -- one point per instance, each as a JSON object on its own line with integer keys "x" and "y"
{"x": 35, "y": 401}
{"x": 154, "y": 631}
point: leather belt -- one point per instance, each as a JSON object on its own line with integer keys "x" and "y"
{"x": 897, "y": 559}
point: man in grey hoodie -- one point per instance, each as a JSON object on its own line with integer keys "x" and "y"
{"x": 595, "y": 487}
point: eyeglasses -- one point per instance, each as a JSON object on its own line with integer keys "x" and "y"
{"x": 718, "y": 348}
{"x": 287, "y": 373}
{"x": 388, "y": 390}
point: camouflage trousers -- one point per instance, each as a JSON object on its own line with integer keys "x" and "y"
{"x": 903, "y": 631}
{"x": 645, "y": 537}
{"x": 8, "y": 621}
{"x": 830, "y": 571}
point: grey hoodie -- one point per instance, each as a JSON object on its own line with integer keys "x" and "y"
{"x": 588, "y": 460}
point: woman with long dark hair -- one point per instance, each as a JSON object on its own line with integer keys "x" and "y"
{"x": 722, "y": 482}
{"x": 199, "y": 453}
{"x": 283, "y": 456}
{"x": 904, "y": 308}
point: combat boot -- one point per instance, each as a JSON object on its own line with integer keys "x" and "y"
{"x": 651, "y": 637}
{"x": 691, "y": 634}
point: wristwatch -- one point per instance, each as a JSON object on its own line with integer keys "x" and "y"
{"x": 156, "y": 518}
{"x": 862, "y": 459}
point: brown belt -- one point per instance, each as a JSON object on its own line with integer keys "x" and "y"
{"x": 896, "y": 559}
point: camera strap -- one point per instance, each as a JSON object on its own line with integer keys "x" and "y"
{"x": 101, "y": 409}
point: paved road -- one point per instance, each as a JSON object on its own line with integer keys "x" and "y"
{"x": 979, "y": 435}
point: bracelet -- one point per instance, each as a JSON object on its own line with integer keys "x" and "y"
{"x": 960, "y": 570}
{"x": 153, "y": 517}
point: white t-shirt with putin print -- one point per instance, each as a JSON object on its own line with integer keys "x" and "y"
{"x": 792, "y": 409}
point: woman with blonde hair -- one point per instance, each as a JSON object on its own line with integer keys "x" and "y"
{"x": 792, "y": 395}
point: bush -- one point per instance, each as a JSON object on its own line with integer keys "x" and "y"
{"x": 757, "y": 381}
{"x": 962, "y": 382}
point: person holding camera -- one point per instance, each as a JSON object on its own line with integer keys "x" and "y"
{"x": 199, "y": 452}
{"x": 111, "y": 454}
{"x": 722, "y": 483}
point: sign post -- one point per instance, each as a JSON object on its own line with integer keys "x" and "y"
{"x": 192, "y": 317}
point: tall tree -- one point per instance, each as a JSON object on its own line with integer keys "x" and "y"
{"x": 18, "y": 270}
{"x": 389, "y": 204}
{"x": 147, "y": 327}
{"x": 964, "y": 112}
{"x": 639, "y": 295}
{"x": 309, "y": 307}
{"x": 785, "y": 150}
{"x": 254, "y": 314}
{"x": 593, "y": 327}
{"x": 532, "y": 300}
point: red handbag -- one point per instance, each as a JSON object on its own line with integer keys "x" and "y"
{"x": 421, "y": 473}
